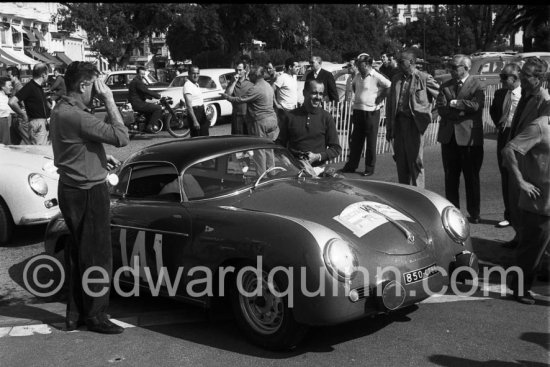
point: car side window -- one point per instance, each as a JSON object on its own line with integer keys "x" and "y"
{"x": 120, "y": 189}
{"x": 485, "y": 68}
{"x": 154, "y": 181}
{"x": 206, "y": 82}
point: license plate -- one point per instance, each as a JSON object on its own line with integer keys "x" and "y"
{"x": 419, "y": 274}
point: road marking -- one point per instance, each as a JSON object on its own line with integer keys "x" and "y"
{"x": 25, "y": 330}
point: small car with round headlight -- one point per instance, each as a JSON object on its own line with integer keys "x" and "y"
{"x": 28, "y": 187}
{"x": 237, "y": 222}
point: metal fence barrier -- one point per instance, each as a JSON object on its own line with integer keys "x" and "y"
{"x": 341, "y": 112}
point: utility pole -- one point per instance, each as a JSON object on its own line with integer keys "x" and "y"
{"x": 310, "y": 41}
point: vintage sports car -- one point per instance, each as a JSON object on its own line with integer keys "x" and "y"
{"x": 28, "y": 187}
{"x": 212, "y": 83}
{"x": 214, "y": 203}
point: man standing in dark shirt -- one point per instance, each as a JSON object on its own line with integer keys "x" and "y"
{"x": 309, "y": 131}
{"x": 138, "y": 93}
{"x": 33, "y": 119}
{"x": 58, "y": 87}
{"x": 387, "y": 68}
{"x": 77, "y": 140}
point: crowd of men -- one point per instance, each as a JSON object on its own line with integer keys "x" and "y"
{"x": 266, "y": 105}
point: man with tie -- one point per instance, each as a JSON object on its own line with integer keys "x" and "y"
{"x": 460, "y": 105}
{"x": 502, "y": 112}
{"x": 408, "y": 114}
{"x": 322, "y": 76}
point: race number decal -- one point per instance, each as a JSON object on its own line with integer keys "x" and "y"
{"x": 364, "y": 216}
{"x": 139, "y": 252}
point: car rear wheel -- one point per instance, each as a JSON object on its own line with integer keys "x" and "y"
{"x": 6, "y": 223}
{"x": 264, "y": 317}
{"x": 212, "y": 114}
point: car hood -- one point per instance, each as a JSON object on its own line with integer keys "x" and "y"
{"x": 35, "y": 158}
{"x": 362, "y": 217}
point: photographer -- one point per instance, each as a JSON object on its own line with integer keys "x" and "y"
{"x": 77, "y": 140}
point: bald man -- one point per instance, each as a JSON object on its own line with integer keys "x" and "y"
{"x": 460, "y": 105}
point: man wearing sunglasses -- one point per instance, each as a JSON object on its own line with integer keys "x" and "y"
{"x": 502, "y": 110}
{"x": 460, "y": 105}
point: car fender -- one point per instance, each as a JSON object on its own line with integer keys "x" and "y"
{"x": 20, "y": 199}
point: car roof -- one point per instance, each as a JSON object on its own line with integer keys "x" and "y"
{"x": 183, "y": 152}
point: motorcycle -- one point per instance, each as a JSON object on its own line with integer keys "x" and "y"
{"x": 174, "y": 121}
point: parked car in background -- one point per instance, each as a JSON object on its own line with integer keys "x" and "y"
{"x": 209, "y": 204}
{"x": 119, "y": 80}
{"x": 212, "y": 83}
{"x": 28, "y": 187}
{"x": 485, "y": 68}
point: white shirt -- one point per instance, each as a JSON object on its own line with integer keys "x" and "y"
{"x": 368, "y": 89}
{"x": 5, "y": 109}
{"x": 287, "y": 91}
{"x": 516, "y": 95}
{"x": 195, "y": 92}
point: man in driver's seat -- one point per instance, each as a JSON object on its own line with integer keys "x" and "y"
{"x": 309, "y": 131}
{"x": 138, "y": 93}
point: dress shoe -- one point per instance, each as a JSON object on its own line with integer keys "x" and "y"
{"x": 367, "y": 173}
{"x": 101, "y": 324}
{"x": 474, "y": 220}
{"x": 346, "y": 170}
{"x": 503, "y": 224}
{"x": 526, "y": 299}
{"x": 511, "y": 244}
{"x": 73, "y": 325}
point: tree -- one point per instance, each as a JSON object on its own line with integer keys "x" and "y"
{"x": 534, "y": 20}
{"x": 116, "y": 29}
{"x": 196, "y": 30}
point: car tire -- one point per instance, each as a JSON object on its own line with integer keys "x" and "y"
{"x": 212, "y": 114}
{"x": 6, "y": 223}
{"x": 266, "y": 320}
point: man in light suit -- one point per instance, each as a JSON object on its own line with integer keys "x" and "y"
{"x": 322, "y": 76}
{"x": 460, "y": 105}
{"x": 408, "y": 115}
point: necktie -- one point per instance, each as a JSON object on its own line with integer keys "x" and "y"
{"x": 458, "y": 86}
{"x": 506, "y": 107}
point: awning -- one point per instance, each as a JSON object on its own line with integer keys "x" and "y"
{"x": 64, "y": 58}
{"x": 39, "y": 35}
{"x": 38, "y": 56}
{"x": 53, "y": 59}
{"x": 30, "y": 34}
{"x": 19, "y": 58}
{"x": 17, "y": 28}
{"x": 6, "y": 61}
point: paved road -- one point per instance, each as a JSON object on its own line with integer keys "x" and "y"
{"x": 450, "y": 330}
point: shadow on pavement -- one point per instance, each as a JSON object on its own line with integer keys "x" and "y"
{"x": 227, "y": 336}
{"x": 493, "y": 251}
{"x": 27, "y": 235}
{"x": 450, "y": 361}
{"x": 541, "y": 339}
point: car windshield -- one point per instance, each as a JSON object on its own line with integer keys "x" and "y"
{"x": 231, "y": 172}
{"x": 205, "y": 82}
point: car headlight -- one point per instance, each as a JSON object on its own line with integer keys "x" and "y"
{"x": 38, "y": 184}
{"x": 455, "y": 224}
{"x": 340, "y": 259}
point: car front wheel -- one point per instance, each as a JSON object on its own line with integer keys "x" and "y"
{"x": 264, "y": 317}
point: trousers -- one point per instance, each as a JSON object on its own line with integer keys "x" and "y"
{"x": 408, "y": 146}
{"x": 86, "y": 213}
{"x": 365, "y": 127}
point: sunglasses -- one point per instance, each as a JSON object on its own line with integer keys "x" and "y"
{"x": 505, "y": 76}
{"x": 454, "y": 67}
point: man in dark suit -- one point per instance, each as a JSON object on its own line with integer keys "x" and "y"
{"x": 502, "y": 110}
{"x": 138, "y": 93}
{"x": 408, "y": 114}
{"x": 322, "y": 76}
{"x": 460, "y": 105}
